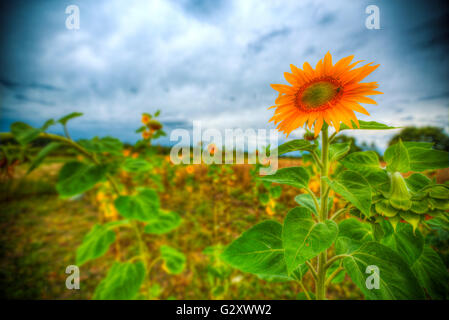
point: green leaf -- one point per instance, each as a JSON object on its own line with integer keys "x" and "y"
{"x": 42, "y": 154}
{"x": 404, "y": 241}
{"x": 367, "y": 125}
{"x": 303, "y": 239}
{"x": 47, "y": 124}
{"x": 95, "y": 244}
{"x": 396, "y": 280}
{"x": 136, "y": 165}
{"x": 306, "y": 201}
{"x": 122, "y": 282}
{"x": 397, "y": 158}
{"x": 362, "y": 161}
{"x": 293, "y": 176}
{"x": 338, "y": 150}
{"x": 417, "y": 181}
{"x": 296, "y": 145}
{"x": 432, "y": 274}
{"x": 166, "y": 222}
{"x": 353, "y": 188}
{"x": 66, "y": 118}
{"x": 174, "y": 261}
{"x": 356, "y": 230}
{"x": 427, "y": 159}
{"x": 24, "y": 133}
{"x": 439, "y": 192}
{"x": 143, "y": 207}
{"x": 77, "y": 177}
{"x": 258, "y": 250}
{"x": 100, "y": 145}
{"x": 264, "y": 198}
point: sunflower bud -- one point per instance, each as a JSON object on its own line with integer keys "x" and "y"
{"x": 400, "y": 197}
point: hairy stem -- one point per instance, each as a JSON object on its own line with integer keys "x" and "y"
{"x": 322, "y": 258}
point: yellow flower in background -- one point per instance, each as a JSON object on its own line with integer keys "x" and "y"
{"x": 329, "y": 93}
{"x": 126, "y": 152}
{"x": 145, "y": 118}
{"x": 146, "y": 134}
{"x": 190, "y": 169}
{"x": 212, "y": 148}
{"x": 135, "y": 155}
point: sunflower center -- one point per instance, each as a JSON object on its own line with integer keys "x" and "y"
{"x": 318, "y": 94}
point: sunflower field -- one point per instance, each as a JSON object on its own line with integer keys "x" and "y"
{"x": 102, "y": 219}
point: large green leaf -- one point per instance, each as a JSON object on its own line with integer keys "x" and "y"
{"x": 136, "y": 165}
{"x": 122, "y": 282}
{"x": 296, "y": 145}
{"x": 95, "y": 244}
{"x": 432, "y": 274}
{"x": 408, "y": 244}
{"x": 293, "y": 176}
{"x": 165, "y": 222}
{"x": 367, "y": 125}
{"x": 417, "y": 181}
{"x": 258, "y": 250}
{"x": 362, "y": 161}
{"x": 397, "y": 158}
{"x": 100, "y": 145}
{"x": 143, "y": 207}
{"x": 427, "y": 159}
{"x": 24, "y": 133}
{"x": 77, "y": 177}
{"x": 338, "y": 150}
{"x": 356, "y": 230}
{"x": 174, "y": 261}
{"x": 353, "y": 188}
{"x": 414, "y": 156}
{"x": 303, "y": 239}
{"x": 42, "y": 154}
{"x": 397, "y": 281}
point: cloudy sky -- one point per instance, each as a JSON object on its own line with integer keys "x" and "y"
{"x": 212, "y": 61}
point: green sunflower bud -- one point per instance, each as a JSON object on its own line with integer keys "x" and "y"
{"x": 399, "y": 196}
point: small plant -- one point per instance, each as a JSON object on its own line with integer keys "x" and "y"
{"x": 382, "y": 242}
{"x": 102, "y": 162}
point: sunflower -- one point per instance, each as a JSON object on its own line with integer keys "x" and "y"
{"x": 145, "y": 118}
{"x": 329, "y": 94}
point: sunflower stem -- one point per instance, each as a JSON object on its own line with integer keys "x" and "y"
{"x": 323, "y": 216}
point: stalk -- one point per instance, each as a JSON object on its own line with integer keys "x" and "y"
{"x": 322, "y": 258}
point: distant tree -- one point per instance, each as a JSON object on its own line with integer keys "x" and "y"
{"x": 424, "y": 134}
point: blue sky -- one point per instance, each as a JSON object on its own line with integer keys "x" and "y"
{"x": 212, "y": 61}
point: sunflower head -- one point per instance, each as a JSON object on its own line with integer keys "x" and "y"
{"x": 146, "y": 118}
{"x": 330, "y": 94}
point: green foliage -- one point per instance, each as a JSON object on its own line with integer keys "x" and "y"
{"x": 95, "y": 244}
{"x": 68, "y": 117}
{"x": 42, "y": 154}
{"x": 354, "y": 188}
{"x": 338, "y": 150}
{"x": 166, "y": 222}
{"x": 367, "y": 125}
{"x": 296, "y": 145}
{"x": 143, "y": 206}
{"x": 293, "y": 176}
{"x": 100, "y": 145}
{"x": 136, "y": 165}
{"x": 24, "y": 133}
{"x": 174, "y": 261}
{"x": 122, "y": 282}
{"x": 258, "y": 250}
{"x": 397, "y": 281}
{"x": 77, "y": 177}
{"x": 303, "y": 239}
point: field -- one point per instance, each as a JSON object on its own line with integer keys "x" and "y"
{"x": 216, "y": 203}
